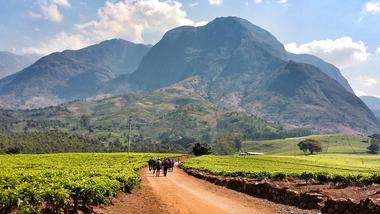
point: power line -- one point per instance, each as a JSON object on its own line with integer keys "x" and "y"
{"x": 129, "y": 133}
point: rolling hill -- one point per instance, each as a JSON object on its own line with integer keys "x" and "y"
{"x": 331, "y": 143}
{"x": 162, "y": 119}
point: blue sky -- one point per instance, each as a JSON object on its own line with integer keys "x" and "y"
{"x": 343, "y": 32}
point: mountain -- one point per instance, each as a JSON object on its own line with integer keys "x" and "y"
{"x": 377, "y": 113}
{"x": 11, "y": 63}
{"x": 105, "y": 68}
{"x": 69, "y": 75}
{"x": 231, "y": 63}
{"x": 373, "y": 103}
{"x": 257, "y": 34}
{"x": 240, "y": 66}
{"x": 116, "y": 55}
{"x": 327, "y": 68}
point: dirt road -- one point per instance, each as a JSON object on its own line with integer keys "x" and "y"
{"x": 179, "y": 193}
{"x": 186, "y": 194}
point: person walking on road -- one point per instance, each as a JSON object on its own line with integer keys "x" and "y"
{"x": 158, "y": 167}
{"x": 166, "y": 166}
{"x": 171, "y": 164}
{"x": 150, "y": 164}
{"x": 154, "y": 165}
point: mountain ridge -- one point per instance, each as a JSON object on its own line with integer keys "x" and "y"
{"x": 235, "y": 70}
{"x": 373, "y": 103}
{"x": 230, "y": 62}
{"x": 67, "y": 75}
{"x": 10, "y": 63}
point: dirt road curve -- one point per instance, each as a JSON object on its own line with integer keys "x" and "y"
{"x": 186, "y": 194}
{"x": 179, "y": 193}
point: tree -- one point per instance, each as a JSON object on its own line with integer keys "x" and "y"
{"x": 310, "y": 145}
{"x": 201, "y": 149}
{"x": 13, "y": 150}
{"x": 375, "y": 144}
{"x": 238, "y": 143}
{"x": 373, "y": 148}
{"x": 226, "y": 144}
{"x": 84, "y": 121}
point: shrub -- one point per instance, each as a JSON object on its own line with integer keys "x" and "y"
{"x": 279, "y": 176}
{"x": 307, "y": 176}
{"x": 322, "y": 177}
{"x": 310, "y": 145}
{"x": 201, "y": 149}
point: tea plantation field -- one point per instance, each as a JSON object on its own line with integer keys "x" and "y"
{"x": 336, "y": 168}
{"x": 58, "y": 182}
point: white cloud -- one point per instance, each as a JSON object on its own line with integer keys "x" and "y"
{"x": 378, "y": 50}
{"x": 131, "y": 19}
{"x": 201, "y": 23}
{"x": 365, "y": 77}
{"x": 360, "y": 93}
{"x": 191, "y": 5}
{"x": 366, "y": 85}
{"x": 369, "y": 81}
{"x": 49, "y": 9}
{"x": 372, "y": 7}
{"x": 269, "y": 1}
{"x": 126, "y": 19}
{"x": 215, "y": 2}
{"x": 342, "y": 52}
{"x": 60, "y": 42}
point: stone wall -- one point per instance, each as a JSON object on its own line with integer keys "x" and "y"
{"x": 284, "y": 195}
{"x": 347, "y": 206}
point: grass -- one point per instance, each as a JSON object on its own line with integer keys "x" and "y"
{"x": 334, "y": 143}
{"x": 344, "y": 159}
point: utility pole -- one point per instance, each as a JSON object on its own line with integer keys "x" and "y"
{"x": 129, "y": 133}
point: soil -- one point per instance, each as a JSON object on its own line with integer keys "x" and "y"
{"x": 356, "y": 193}
{"x": 140, "y": 201}
{"x": 179, "y": 193}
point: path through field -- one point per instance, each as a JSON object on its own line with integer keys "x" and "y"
{"x": 180, "y": 193}
{"x": 185, "y": 194}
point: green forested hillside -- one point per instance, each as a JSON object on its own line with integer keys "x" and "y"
{"x": 51, "y": 142}
{"x": 166, "y": 120}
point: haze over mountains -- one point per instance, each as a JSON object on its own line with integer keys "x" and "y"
{"x": 373, "y": 103}
{"x": 238, "y": 32}
{"x": 230, "y": 62}
{"x": 11, "y": 63}
{"x": 69, "y": 75}
{"x": 241, "y": 66}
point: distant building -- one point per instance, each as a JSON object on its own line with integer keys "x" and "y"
{"x": 250, "y": 153}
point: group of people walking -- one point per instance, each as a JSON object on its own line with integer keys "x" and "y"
{"x": 156, "y": 165}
